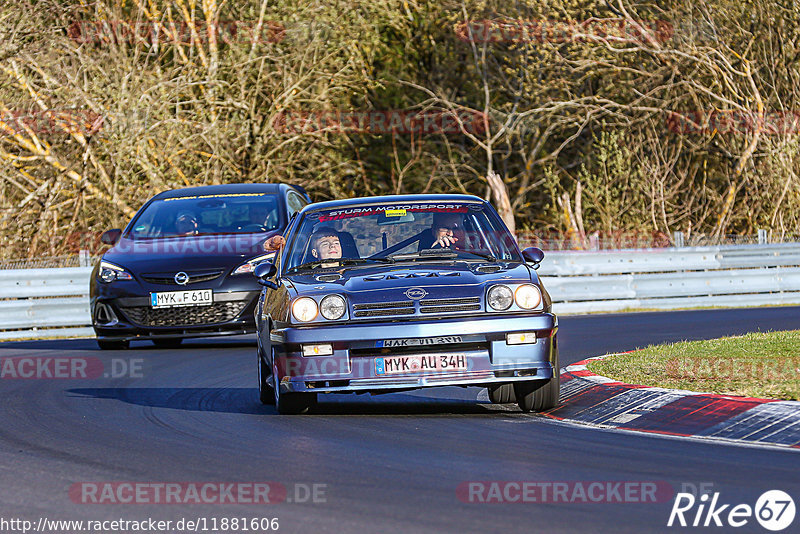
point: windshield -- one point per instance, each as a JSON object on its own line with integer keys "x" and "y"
{"x": 207, "y": 214}
{"x": 400, "y": 232}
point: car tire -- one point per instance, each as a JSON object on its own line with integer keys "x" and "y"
{"x": 502, "y": 394}
{"x": 265, "y": 392}
{"x": 106, "y": 344}
{"x": 540, "y": 395}
{"x": 290, "y": 403}
{"x": 168, "y": 342}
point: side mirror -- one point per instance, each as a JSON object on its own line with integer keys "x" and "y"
{"x": 110, "y": 237}
{"x": 533, "y": 255}
{"x": 263, "y": 272}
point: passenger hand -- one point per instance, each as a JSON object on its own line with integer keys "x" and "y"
{"x": 274, "y": 243}
{"x": 445, "y": 241}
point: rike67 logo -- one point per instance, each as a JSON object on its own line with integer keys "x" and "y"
{"x": 774, "y": 510}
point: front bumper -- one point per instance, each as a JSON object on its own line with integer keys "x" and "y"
{"x": 357, "y": 349}
{"x": 131, "y": 317}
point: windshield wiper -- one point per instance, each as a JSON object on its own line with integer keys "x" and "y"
{"x": 335, "y": 262}
{"x": 440, "y": 254}
{"x": 427, "y": 254}
{"x": 487, "y": 257}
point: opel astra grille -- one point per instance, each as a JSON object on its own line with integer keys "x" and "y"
{"x": 169, "y": 278}
{"x": 219, "y": 312}
{"x": 410, "y": 307}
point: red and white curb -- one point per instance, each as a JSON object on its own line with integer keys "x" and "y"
{"x": 592, "y": 399}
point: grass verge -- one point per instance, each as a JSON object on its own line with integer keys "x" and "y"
{"x": 765, "y": 365}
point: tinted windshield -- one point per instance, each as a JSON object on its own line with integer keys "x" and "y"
{"x": 207, "y": 214}
{"x": 402, "y": 232}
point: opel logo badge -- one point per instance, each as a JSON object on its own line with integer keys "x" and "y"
{"x": 416, "y": 293}
{"x": 181, "y": 278}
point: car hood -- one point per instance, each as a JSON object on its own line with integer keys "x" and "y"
{"x": 391, "y": 282}
{"x": 191, "y": 252}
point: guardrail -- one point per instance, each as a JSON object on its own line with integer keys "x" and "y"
{"x": 725, "y": 276}
{"x": 54, "y": 302}
{"x": 40, "y": 303}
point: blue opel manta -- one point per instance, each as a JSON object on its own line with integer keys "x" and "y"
{"x": 396, "y": 293}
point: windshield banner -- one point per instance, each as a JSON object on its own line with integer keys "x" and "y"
{"x": 391, "y": 210}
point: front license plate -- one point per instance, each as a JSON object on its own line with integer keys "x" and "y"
{"x": 420, "y": 363}
{"x": 419, "y": 341}
{"x": 171, "y": 299}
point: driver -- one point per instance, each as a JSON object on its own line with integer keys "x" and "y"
{"x": 258, "y": 213}
{"x": 186, "y": 224}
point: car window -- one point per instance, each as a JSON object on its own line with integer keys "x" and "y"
{"x": 470, "y": 230}
{"x": 295, "y": 203}
{"x": 207, "y": 214}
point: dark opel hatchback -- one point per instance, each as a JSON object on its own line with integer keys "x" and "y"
{"x": 182, "y": 267}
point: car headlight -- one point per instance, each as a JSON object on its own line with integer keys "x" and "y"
{"x": 250, "y": 265}
{"x": 332, "y": 307}
{"x": 527, "y": 297}
{"x": 500, "y": 297}
{"x": 304, "y": 309}
{"x": 110, "y": 272}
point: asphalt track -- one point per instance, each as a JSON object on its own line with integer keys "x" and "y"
{"x": 390, "y": 463}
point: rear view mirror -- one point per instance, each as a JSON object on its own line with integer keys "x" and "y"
{"x": 110, "y": 237}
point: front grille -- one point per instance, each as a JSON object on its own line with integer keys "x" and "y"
{"x": 449, "y": 309}
{"x": 450, "y": 305}
{"x": 195, "y": 277}
{"x": 410, "y": 307}
{"x": 219, "y": 312}
{"x": 385, "y": 305}
{"x": 385, "y": 313}
{"x": 384, "y": 309}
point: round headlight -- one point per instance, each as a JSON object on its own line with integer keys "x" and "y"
{"x": 527, "y": 297}
{"x": 332, "y": 307}
{"x": 304, "y": 309}
{"x": 500, "y": 297}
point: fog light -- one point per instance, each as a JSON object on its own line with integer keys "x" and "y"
{"x": 521, "y": 338}
{"x": 317, "y": 350}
